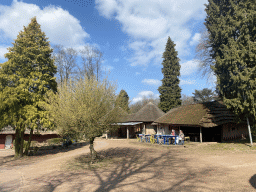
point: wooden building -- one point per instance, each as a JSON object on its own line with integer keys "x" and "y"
{"x": 7, "y": 135}
{"x": 204, "y": 122}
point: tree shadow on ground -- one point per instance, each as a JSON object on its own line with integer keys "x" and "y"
{"x": 132, "y": 169}
{"x": 10, "y": 160}
{"x": 253, "y": 181}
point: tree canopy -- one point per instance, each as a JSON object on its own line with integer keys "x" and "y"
{"x": 170, "y": 91}
{"x": 24, "y": 80}
{"x": 122, "y": 100}
{"x": 231, "y": 26}
{"x": 204, "y": 95}
{"x": 81, "y": 108}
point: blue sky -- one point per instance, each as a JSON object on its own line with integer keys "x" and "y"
{"x": 132, "y": 35}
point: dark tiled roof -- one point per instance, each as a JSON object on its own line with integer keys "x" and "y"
{"x": 208, "y": 114}
{"x": 148, "y": 113}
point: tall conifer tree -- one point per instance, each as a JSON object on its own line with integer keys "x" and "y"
{"x": 24, "y": 79}
{"x": 232, "y": 36}
{"x": 170, "y": 91}
{"x": 122, "y": 100}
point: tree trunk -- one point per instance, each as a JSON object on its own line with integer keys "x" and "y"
{"x": 92, "y": 151}
{"x": 29, "y": 141}
{"x": 21, "y": 143}
{"x": 17, "y": 142}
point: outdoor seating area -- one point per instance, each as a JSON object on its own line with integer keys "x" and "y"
{"x": 161, "y": 139}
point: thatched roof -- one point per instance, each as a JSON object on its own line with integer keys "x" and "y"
{"x": 148, "y": 113}
{"x": 11, "y": 130}
{"x": 208, "y": 114}
{"x": 122, "y": 115}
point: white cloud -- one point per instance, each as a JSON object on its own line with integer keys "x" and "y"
{"x": 137, "y": 73}
{"x": 195, "y": 39}
{"x": 188, "y": 67}
{"x": 116, "y": 60}
{"x": 149, "y": 23}
{"x": 187, "y": 82}
{"x": 60, "y": 26}
{"x": 3, "y": 50}
{"x": 142, "y": 94}
{"x": 152, "y": 82}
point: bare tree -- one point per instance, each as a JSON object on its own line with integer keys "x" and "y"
{"x": 203, "y": 55}
{"x": 91, "y": 62}
{"x": 145, "y": 100}
{"x": 65, "y": 60}
{"x": 187, "y": 100}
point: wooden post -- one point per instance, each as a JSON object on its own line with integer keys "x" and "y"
{"x": 200, "y": 134}
{"x": 127, "y": 132}
{"x": 249, "y": 130}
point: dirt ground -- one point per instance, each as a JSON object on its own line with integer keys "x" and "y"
{"x": 136, "y": 167}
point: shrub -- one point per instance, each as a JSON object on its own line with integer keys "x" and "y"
{"x": 33, "y": 143}
{"x": 54, "y": 141}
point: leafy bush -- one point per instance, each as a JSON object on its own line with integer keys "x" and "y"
{"x": 25, "y": 144}
{"x": 54, "y": 141}
{"x": 33, "y": 143}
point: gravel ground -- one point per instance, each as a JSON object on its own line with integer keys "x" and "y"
{"x": 136, "y": 167}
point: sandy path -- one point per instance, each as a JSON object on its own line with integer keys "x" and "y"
{"x": 18, "y": 177}
{"x": 141, "y": 168}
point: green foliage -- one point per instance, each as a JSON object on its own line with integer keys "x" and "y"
{"x": 204, "y": 95}
{"x": 231, "y": 27}
{"x": 122, "y": 100}
{"x": 170, "y": 91}
{"x": 54, "y": 141}
{"x": 25, "y": 78}
{"x": 80, "y": 106}
{"x": 34, "y": 143}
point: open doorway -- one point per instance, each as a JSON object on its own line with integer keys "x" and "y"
{"x": 8, "y": 142}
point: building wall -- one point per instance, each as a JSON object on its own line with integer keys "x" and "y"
{"x": 234, "y": 131}
{"x": 165, "y": 129}
{"x": 150, "y": 129}
{"x": 39, "y": 138}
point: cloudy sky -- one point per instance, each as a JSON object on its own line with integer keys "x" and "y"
{"x": 132, "y": 35}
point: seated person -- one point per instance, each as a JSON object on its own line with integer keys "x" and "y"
{"x": 181, "y": 137}
{"x": 173, "y": 138}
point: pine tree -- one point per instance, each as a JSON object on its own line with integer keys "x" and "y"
{"x": 122, "y": 100}
{"x": 203, "y": 95}
{"x": 24, "y": 79}
{"x": 170, "y": 91}
{"x": 232, "y": 35}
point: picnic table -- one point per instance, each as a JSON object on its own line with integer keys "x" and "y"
{"x": 165, "y": 138}
{"x": 147, "y": 137}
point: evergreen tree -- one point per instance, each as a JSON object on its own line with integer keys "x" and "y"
{"x": 24, "y": 79}
{"x": 122, "y": 100}
{"x": 232, "y": 35}
{"x": 204, "y": 95}
{"x": 170, "y": 91}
